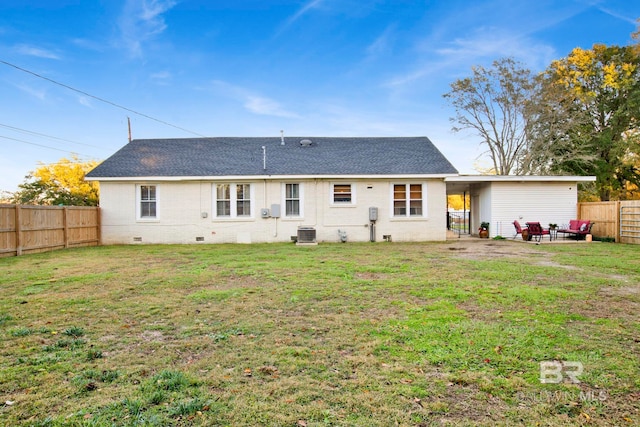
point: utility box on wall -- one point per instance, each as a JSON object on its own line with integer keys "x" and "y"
{"x": 264, "y": 213}
{"x": 275, "y": 211}
{"x": 373, "y": 214}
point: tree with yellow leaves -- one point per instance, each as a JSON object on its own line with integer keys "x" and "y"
{"x": 60, "y": 183}
{"x": 584, "y": 118}
{"x": 457, "y": 202}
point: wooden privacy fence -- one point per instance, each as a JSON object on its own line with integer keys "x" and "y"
{"x": 29, "y": 229}
{"x": 620, "y": 219}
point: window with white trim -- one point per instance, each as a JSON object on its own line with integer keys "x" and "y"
{"x": 233, "y": 200}
{"x": 147, "y": 202}
{"x": 292, "y": 198}
{"x": 342, "y": 194}
{"x": 243, "y": 199}
{"x": 407, "y": 200}
{"x": 223, "y": 200}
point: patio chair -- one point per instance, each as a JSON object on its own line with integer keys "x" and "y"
{"x": 516, "y": 224}
{"x": 537, "y": 232}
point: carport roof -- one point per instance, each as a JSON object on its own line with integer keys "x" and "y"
{"x": 461, "y": 183}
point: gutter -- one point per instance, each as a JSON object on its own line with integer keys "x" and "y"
{"x": 267, "y": 177}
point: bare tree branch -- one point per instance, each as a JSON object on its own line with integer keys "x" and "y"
{"x": 491, "y": 104}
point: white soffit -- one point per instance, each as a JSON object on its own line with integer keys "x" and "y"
{"x": 470, "y": 179}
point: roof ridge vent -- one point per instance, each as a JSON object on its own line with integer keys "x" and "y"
{"x": 305, "y": 142}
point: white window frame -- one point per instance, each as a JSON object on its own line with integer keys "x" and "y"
{"x": 407, "y": 185}
{"x": 139, "y": 201}
{"x": 233, "y": 201}
{"x": 332, "y": 200}
{"x": 300, "y": 200}
{"x": 216, "y": 200}
{"x": 247, "y": 198}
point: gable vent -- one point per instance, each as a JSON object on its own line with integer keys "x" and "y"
{"x": 305, "y": 142}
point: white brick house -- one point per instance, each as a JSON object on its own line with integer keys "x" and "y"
{"x": 249, "y": 190}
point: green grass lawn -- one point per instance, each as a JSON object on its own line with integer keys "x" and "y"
{"x": 338, "y": 334}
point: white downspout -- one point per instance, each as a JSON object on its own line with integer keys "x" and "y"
{"x": 264, "y": 199}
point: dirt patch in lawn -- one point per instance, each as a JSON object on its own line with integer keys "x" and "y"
{"x": 549, "y": 263}
{"x": 623, "y": 291}
{"x": 480, "y": 249}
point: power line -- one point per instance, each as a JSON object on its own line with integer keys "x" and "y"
{"x": 41, "y": 145}
{"x": 99, "y": 99}
{"x": 49, "y": 136}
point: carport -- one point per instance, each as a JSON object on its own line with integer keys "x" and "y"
{"x": 501, "y": 199}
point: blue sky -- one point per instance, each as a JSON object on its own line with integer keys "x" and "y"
{"x": 255, "y": 67}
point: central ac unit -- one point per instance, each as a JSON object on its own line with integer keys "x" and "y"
{"x": 306, "y": 235}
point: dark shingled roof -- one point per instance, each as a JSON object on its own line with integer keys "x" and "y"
{"x": 244, "y": 156}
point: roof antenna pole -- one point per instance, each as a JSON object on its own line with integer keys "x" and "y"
{"x": 281, "y": 137}
{"x": 129, "y": 126}
{"x": 264, "y": 158}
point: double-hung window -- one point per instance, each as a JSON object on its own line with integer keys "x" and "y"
{"x": 407, "y": 200}
{"x": 223, "y": 200}
{"x": 233, "y": 200}
{"x": 147, "y": 202}
{"x": 243, "y": 199}
{"x": 292, "y": 197}
{"x": 342, "y": 194}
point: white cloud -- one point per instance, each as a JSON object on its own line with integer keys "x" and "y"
{"x": 411, "y": 76}
{"x": 252, "y": 102}
{"x": 40, "y": 94}
{"x": 304, "y": 9}
{"x": 382, "y": 44}
{"x": 483, "y": 46}
{"x": 88, "y": 44}
{"x": 83, "y": 100}
{"x": 631, "y": 20}
{"x": 266, "y": 107}
{"x": 24, "y": 49}
{"x": 141, "y": 20}
{"x": 312, "y": 4}
{"x": 454, "y": 42}
{"x": 340, "y": 117}
{"x": 161, "y": 78}
{"x": 494, "y": 43}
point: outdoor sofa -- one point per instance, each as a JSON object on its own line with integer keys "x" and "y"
{"x": 578, "y": 228}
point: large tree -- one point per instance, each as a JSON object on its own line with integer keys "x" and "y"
{"x": 60, "y": 183}
{"x": 584, "y": 118}
{"x": 491, "y": 104}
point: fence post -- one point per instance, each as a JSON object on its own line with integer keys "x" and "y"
{"x": 617, "y": 221}
{"x": 65, "y": 227}
{"x": 99, "y": 225}
{"x": 18, "y": 231}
